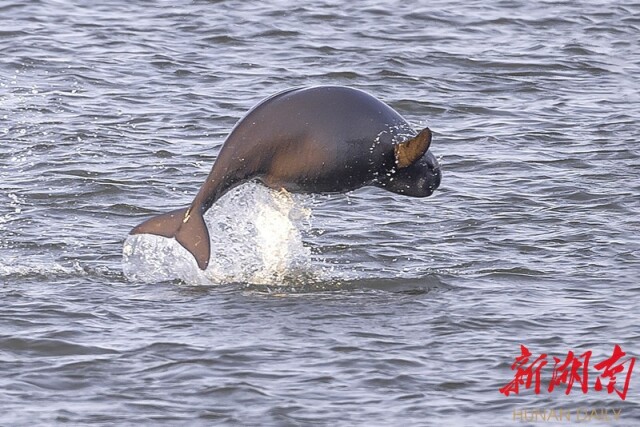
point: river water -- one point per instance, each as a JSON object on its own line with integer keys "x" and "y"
{"x": 360, "y": 309}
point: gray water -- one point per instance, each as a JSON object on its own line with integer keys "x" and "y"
{"x": 359, "y": 309}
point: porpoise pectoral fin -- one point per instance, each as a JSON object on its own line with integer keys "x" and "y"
{"x": 187, "y": 226}
{"x": 410, "y": 151}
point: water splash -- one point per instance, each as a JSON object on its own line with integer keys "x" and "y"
{"x": 256, "y": 238}
{"x": 13, "y": 267}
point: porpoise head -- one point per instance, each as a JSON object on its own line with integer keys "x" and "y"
{"x": 417, "y": 172}
{"x": 420, "y": 179}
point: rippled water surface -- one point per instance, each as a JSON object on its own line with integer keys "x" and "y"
{"x": 360, "y": 309}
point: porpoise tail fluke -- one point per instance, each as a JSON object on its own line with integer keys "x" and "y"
{"x": 187, "y": 226}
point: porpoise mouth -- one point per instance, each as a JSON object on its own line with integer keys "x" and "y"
{"x": 418, "y": 180}
{"x": 432, "y": 186}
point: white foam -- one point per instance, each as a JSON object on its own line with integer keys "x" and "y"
{"x": 15, "y": 266}
{"x": 255, "y": 235}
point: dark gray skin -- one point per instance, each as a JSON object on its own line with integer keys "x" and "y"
{"x": 327, "y": 139}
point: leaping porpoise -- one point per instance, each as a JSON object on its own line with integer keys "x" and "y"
{"x": 325, "y": 139}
